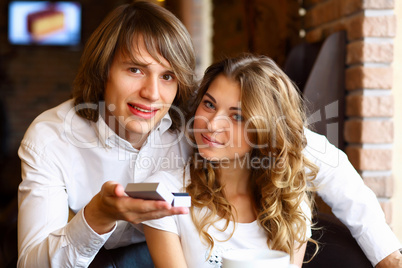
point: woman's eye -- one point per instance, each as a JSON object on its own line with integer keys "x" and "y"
{"x": 167, "y": 77}
{"x": 209, "y": 105}
{"x": 237, "y": 117}
{"x": 135, "y": 70}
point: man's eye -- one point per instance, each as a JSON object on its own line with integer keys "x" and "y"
{"x": 135, "y": 70}
{"x": 167, "y": 77}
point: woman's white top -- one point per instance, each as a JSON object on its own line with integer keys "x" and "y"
{"x": 246, "y": 235}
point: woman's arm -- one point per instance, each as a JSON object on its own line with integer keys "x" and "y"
{"x": 298, "y": 254}
{"x": 165, "y": 248}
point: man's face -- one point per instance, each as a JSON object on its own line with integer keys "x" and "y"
{"x": 138, "y": 95}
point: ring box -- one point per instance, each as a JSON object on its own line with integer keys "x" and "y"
{"x": 181, "y": 200}
{"x": 157, "y": 191}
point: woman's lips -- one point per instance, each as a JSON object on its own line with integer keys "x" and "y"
{"x": 142, "y": 111}
{"x": 208, "y": 140}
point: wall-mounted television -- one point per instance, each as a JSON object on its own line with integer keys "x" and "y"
{"x": 44, "y": 23}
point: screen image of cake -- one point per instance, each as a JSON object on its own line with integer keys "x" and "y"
{"x": 45, "y": 22}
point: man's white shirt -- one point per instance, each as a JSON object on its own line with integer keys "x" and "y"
{"x": 65, "y": 161}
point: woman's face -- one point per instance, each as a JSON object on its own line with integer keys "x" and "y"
{"x": 219, "y": 127}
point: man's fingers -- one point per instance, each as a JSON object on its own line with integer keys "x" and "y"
{"x": 179, "y": 210}
{"x": 108, "y": 188}
{"x": 145, "y": 206}
{"x": 119, "y": 190}
{"x": 161, "y": 213}
{"x": 143, "y": 210}
{"x": 118, "y": 205}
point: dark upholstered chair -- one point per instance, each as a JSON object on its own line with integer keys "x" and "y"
{"x": 318, "y": 69}
{"x": 337, "y": 247}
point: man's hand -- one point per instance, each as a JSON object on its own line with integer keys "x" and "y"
{"x": 112, "y": 204}
{"x": 392, "y": 260}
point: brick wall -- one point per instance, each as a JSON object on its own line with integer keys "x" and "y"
{"x": 370, "y": 26}
{"x": 397, "y": 146}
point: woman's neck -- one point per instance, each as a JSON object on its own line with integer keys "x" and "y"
{"x": 234, "y": 178}
{"x": 237, "y": 192}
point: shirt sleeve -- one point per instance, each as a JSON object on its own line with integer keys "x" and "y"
{"x": 167, "y": 224}
{"x": 342, "y": 188}
{"x": 173, "y": 180}
{"x": 44, "y": 236}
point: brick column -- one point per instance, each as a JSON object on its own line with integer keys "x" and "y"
{"x": 197, "y": 17}
{"x": 370, "y": 27}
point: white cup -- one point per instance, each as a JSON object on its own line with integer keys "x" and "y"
{"x": 255, "y": 258}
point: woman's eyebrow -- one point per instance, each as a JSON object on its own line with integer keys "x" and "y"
{"x": 212, "y": 98}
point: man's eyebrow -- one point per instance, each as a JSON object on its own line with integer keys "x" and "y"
{"x": 130, "y": 62}
{"x": 145, "y": 65}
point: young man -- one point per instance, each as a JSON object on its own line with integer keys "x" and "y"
{"x": 122, "y": 126}
{"x": 119, "y": 128}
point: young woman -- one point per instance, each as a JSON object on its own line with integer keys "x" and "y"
{"x": 248, "y": 176}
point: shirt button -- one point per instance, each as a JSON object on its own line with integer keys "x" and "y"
{"x": 97, "y": 242}
{"x": 88, "y": 250}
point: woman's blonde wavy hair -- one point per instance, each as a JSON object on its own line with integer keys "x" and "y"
{"x": 269, "y": 101}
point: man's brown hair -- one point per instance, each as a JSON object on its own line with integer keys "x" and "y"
{"x": 162, "y": 33}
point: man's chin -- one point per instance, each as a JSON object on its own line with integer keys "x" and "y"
{"x": 139, "y": 130}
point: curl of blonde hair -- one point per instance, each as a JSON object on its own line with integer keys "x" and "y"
{"x": 278, "y": 191}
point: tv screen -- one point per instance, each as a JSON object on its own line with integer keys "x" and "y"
{"x": 44, "y": 23}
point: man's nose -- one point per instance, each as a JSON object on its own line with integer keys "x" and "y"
{"x": 150, "y": 89}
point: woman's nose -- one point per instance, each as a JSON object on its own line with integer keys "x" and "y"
{"x": 219, "y": 123}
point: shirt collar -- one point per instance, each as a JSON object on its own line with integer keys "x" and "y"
{"x": 106, "y": 134}
{"x": 165, "y": 123}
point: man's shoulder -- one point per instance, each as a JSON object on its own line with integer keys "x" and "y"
{"x": 321, "y": 151}
{"x": 176, "y": 140}
{"x": 52, "y": 125}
